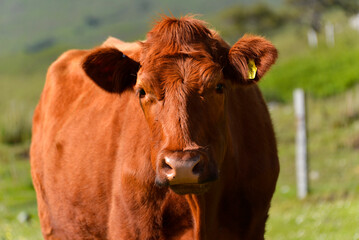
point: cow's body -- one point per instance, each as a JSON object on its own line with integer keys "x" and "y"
{"x": 91, "y": 167}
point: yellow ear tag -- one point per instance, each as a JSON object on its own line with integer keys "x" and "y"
{"x": 252, "y": 69}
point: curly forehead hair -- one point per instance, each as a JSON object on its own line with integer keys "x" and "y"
{"x": 186, "y": 35}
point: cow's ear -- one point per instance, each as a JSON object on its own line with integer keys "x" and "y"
{"x": 250, "y": 58}
{"x": 110, "y": 69}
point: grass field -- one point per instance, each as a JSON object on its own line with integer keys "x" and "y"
{"x": 17, "y": 195}
{"x": 331, "y": 211}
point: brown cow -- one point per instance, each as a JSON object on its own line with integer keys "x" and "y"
{"x": 168, "y": 138}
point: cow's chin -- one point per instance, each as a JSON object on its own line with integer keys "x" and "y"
{"x": 193, "y": 188}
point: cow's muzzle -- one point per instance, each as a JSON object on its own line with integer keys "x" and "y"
{"x": 186, "y": 172}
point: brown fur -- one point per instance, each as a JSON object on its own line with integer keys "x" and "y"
{"x": 98, "y": 141}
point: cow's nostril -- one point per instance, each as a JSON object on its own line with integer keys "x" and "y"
{"x": 198, "y": 168}
{"x": 166, "y": 166}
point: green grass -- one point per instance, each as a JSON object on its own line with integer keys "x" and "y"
{"x": 17, "y": 195}
{"x": 19, "y": 94}
{"x": 332, "y": 208}
{"x": 333, "y": 126}
{"x": 326, "y": 219}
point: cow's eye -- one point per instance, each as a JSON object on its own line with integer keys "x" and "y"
{"x": 141, "y": 93}
{"x": 219, "y": 88}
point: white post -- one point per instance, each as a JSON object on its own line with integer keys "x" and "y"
{"x": 301, "y": 142}
{"x": 312, "y": 38}
{"x": 329, "y": 34}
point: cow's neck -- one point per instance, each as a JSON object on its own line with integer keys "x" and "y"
{"x": 196, "y": 204}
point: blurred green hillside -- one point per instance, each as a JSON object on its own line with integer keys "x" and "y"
{"x": 30, "y": 26}
{"x": 323, "y": 71}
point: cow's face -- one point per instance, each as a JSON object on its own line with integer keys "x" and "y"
{"x": 183, "y": 101}
{"x": 182, "y": 79}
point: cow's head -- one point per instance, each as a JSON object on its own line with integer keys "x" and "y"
{"x": 182, "y": 75}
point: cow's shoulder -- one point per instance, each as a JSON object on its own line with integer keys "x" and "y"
{"x": 69, "y": 61}
{"x": 66, "y": 84}
{"x": 66, "y": 75}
